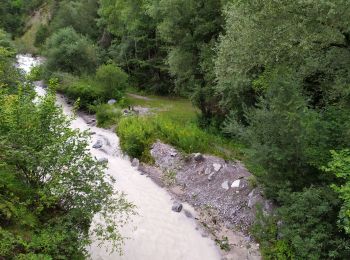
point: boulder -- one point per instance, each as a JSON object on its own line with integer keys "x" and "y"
{"x": 198, "y": 157}
{"x": 135, "y": 162}
{"x": 111, "y": 101}
{"x": 98, "y": 144}
{"x": 177, "y": 207}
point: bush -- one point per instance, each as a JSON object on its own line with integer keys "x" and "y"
{"x": 113, "y": 80}
{"x": 108, "y": 115}
{"x": 68, "y": 51}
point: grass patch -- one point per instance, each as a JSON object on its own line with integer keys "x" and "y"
{"x": 108, "y": 115}
{"x": 137, "y": 134}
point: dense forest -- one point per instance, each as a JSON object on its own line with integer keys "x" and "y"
{"x": 272, "y": 76}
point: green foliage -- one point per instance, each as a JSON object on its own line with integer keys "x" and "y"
{"x": 78, "y": 14}
{"x": 137, "y": 134}
{"x": 340, "y": 167}
{"x": 41, "y": 35}
{"x": 136, "y": 46}
{"x": 50, "y": 186}
{"x": 308, "y": 223}
{"x": 113, "y": 80}
{"x": 69, "y": 51}
{"x": 108, "y": 115}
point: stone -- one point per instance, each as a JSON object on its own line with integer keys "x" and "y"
{"x": 173, "y": 154}
{"x": 217, "y": 167}
{"x": 103, "y": 160}
{"x": 211, "y": 176}
{"x": 177, "y": 207}
{"x": 207, "y": 171}
{"x": 235, "y": 184}
{"x": 111, "y": 101}
{"x": 98, "y": 144}
{"x": 198, "y": 157}
{"x": 135, "y": 162}
{"x": 225, "y": 185}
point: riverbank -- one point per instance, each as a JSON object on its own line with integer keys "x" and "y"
{"x": 160, "y": 232}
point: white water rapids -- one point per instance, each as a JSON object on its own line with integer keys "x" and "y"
{"x": 160, "y": 234}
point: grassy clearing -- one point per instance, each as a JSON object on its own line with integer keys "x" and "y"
{"x": 174, "y": 122}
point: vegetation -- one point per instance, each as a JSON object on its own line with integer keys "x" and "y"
{"x": 270, "y": 75}
{"x": 50, "y": 186}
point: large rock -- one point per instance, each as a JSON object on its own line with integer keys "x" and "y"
{"x": 98, "y": 144}
{"x": 177, "y": 207}
{"x": 112, "y": 101}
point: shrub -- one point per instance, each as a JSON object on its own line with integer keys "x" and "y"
{"x": 113, "y": 80}
{"x": 41, "y": 35}
{"x": 108, "y": 115}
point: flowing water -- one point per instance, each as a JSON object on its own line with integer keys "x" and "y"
{"x": 160, "y": 233}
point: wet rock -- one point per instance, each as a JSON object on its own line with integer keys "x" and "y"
{"x": 135, "y": 162}
{"x": 235, "y": 184}
{"x": 198, "y": 157}
{"x": 177, "y": 207}
{"x": 103, "y": 160}
{"x": 225, "y": 185}
{"x": 111, "y": 101}
{"x": 217, "y": 167}
{"x": 98, "y": 144}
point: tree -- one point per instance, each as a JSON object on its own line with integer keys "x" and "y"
{"x": 136, "y": 46}
{"x": 312, "y": 37}
{"x": 190, "y": 30}
{"x": 78, "y": 14}
{"x": 51, "y": 187}
{"x": 68, "y": 51}
{"x": 340, "y": 167}
{"x": 113, "y": 80}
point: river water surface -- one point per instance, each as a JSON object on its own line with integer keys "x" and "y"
{"x": 160, "y": 234}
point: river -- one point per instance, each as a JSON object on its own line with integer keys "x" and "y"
{"x": 160, "y": 233}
